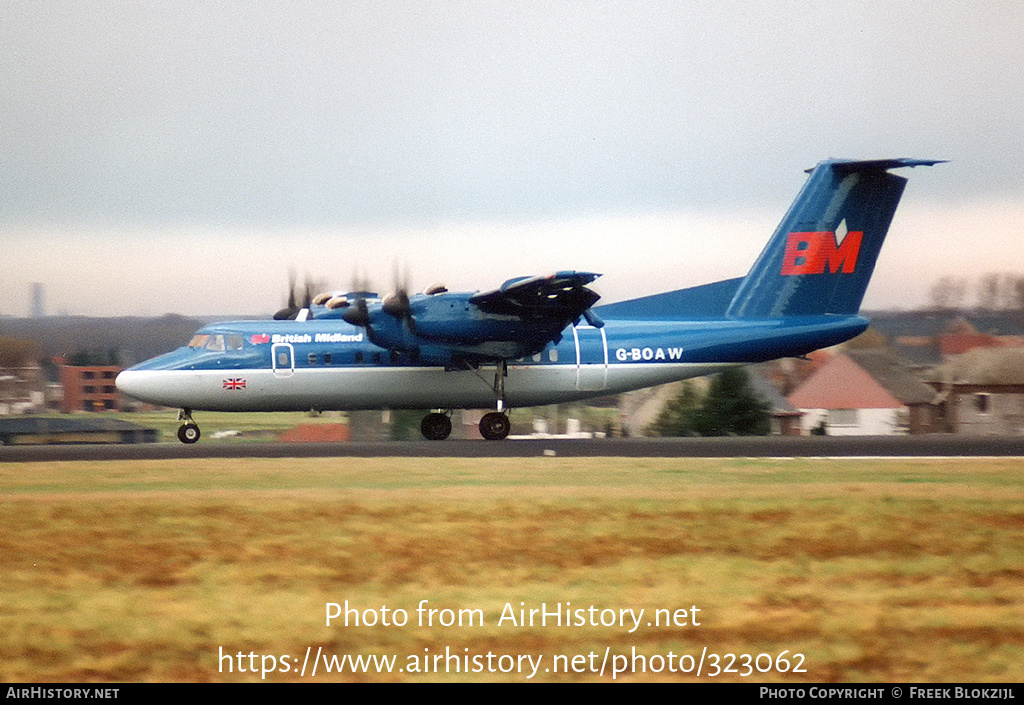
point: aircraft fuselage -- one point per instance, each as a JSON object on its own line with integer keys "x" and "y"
{"x": 327, "y": 365}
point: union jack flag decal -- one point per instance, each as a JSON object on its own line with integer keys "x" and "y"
{"x": 234, "y": 383}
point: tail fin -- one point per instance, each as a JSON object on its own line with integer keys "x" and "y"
{"x": 821, "y": 257}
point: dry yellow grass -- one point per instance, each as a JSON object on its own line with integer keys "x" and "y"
{"x": 872, "y": 570}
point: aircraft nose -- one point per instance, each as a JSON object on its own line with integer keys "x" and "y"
{"x": 144, "y": 385}
{"x": 129, "y": 382}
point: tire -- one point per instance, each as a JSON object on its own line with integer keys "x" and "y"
{"x": 494, "y": 426}
{"x": 188, "y": 433}
{"x": 436, "y": 427}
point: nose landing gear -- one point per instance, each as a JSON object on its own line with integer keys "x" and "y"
{"x": 188, "y": 432}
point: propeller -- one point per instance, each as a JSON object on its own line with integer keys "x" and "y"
{"x": 292, "y": 309}
{"x": 396, "y": 304}
{"x": 356, "y": 312}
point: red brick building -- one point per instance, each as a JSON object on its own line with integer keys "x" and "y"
{"x": 90, "y": 388}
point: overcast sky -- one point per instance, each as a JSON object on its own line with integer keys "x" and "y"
{"x": 182, "y": 156}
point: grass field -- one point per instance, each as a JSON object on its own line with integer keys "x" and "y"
{"x": 853, "y": 570}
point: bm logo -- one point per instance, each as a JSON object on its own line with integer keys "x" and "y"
{"x": 818, "y": 252}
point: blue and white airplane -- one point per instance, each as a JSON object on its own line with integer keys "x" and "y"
{"x": 541, "y": 340}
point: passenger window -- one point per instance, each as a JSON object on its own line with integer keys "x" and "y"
{"x": 553, "y": 354}
{"x": 327, "y": 358}
{"x": 312, "y": 358}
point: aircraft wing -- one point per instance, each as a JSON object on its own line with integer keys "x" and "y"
{"x": 562, "y": 295}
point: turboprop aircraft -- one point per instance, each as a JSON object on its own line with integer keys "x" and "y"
{"x": 541, "y": 340}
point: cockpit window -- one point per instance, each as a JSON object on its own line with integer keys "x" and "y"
{"x": 217, "y": 343}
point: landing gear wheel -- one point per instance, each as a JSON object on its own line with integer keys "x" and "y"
{"x": 436, "y": 426}
{"x": 188, "y": 433}
{"x": 494, "y": 426}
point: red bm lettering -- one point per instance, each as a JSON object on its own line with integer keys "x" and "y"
{"x": 813, "y": 253}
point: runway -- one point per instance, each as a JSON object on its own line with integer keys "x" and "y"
{"x": 741, "y": 447}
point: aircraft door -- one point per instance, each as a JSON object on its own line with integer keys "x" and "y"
{"x": 283, "y": 356}
{"x": 591, "y": 358}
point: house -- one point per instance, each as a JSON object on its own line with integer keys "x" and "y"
{"x": 22, "y": 389}
{"x": 23, "y": 382}
{"x": 866, "y": 392}
{"x": 981, "y": 392}
{"x": 785, "y": 417}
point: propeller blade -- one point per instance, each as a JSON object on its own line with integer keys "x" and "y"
{"x": 291, "y": 289}
{"x": 307, "y": 299}
{"x": 396, "y": 304}
{"x": 291, "y": 309}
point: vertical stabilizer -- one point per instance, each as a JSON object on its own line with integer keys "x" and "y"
{"x": 821, "y": 257}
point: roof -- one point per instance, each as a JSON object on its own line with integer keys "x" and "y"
{"x": 893, "y": 374}
{"x": 992, "y": 366}
{"x": 862, "y": 379}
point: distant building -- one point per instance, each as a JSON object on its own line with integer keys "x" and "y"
{"x": 785, "y": 418}
{"x": 22, "y": 389}
{"x": 38, "y": 300}
{"x": 89, "y": 388}
{"x": 23, "y": 382}
{"x": 982, "y": 391}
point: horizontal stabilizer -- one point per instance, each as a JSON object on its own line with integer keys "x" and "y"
{"x": 705, "y": 301}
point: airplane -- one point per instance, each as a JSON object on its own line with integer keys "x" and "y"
{"x": 541, "y": 340}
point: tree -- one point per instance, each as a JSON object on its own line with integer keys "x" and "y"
{"x": 18, "y": 353}
{"x": 948, "y": 293}
{"x": 678, "y": 416}
{"x": 730, "y": 407}
{"x": 1001, "y": 292}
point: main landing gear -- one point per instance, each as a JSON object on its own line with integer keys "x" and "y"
{"x": 437, "y": 425}
{"x": 188, "y": 432}
{"x": 494, "y": 426}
